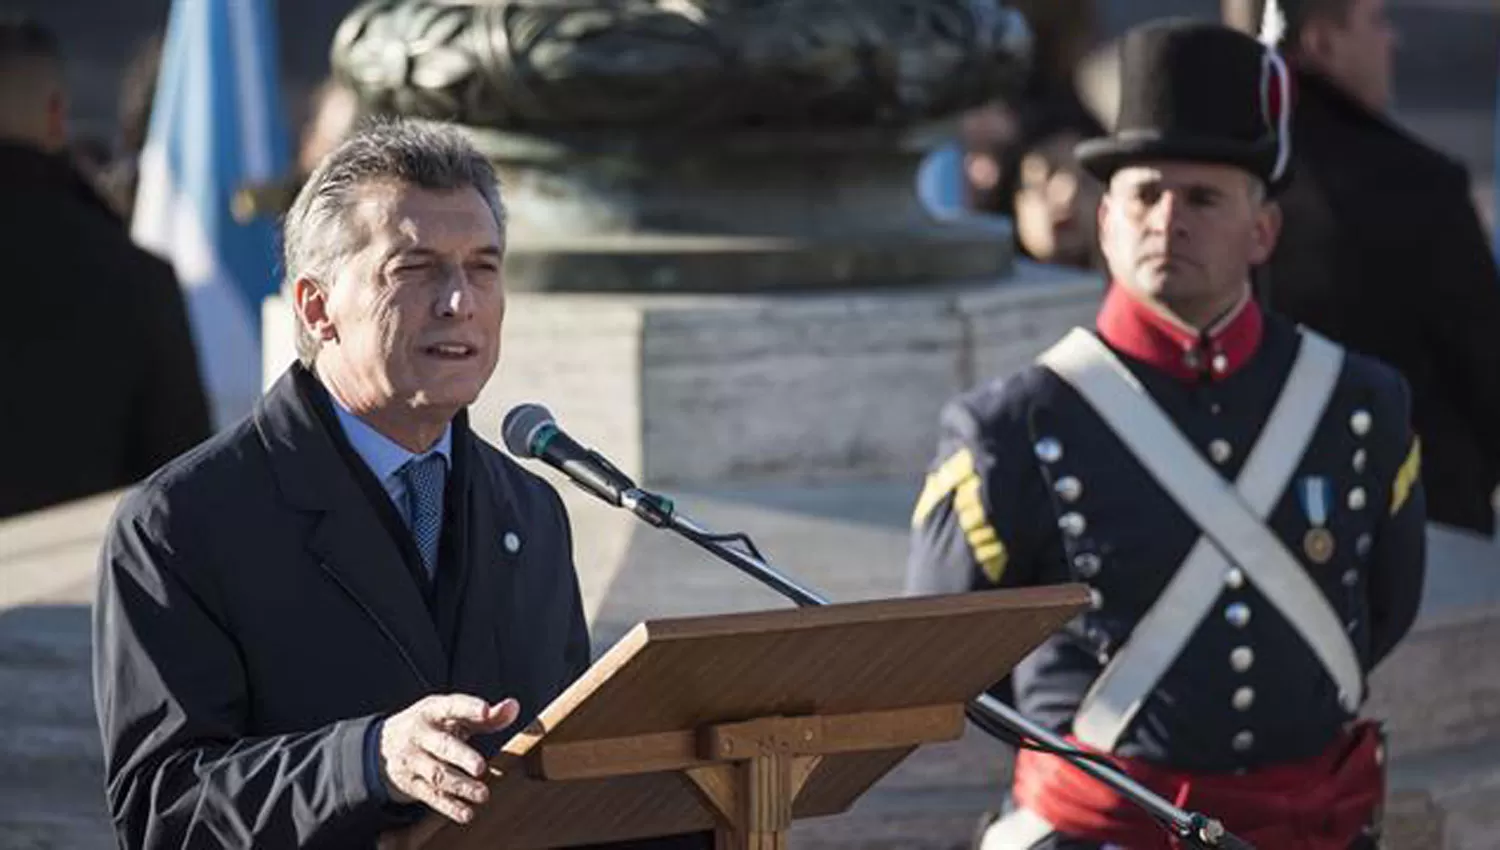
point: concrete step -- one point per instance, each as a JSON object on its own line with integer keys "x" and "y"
{"x": 1412, "y": 822}
{"x": 54, "y": 833}
{"x": 1458, "y": 790}
{"x": 1440, "y": 689}
{"x": 60, "y": 767}
{"x": 941, "y": 831}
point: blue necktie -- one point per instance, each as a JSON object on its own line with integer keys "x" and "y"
{"x": 424, "y": 500}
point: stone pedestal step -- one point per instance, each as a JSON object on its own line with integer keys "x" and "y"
{"x": 1440, "y": 689}
{"x": 790, "y": 388}
{"x": 54, "y": 833}
{"x": 1458, "y": 790}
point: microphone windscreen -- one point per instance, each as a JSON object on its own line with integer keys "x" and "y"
{"x": 521, "y": 425}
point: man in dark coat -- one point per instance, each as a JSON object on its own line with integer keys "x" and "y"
{"x": 102, "y": 384}
{"x": 1242, "y": 497}
{"x": 332, "y": 610}
{"x": 1385, "y": 253}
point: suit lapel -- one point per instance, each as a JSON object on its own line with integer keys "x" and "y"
{"x": 348, "y": 541}
{"x": 352, "y": 546}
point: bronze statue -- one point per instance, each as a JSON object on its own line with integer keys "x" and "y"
{"x": 559, "y": 65}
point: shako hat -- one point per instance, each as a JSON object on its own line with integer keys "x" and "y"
{"x": 1196, "y": 91}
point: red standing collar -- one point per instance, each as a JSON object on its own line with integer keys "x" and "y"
{"x": 1165, "y": 342}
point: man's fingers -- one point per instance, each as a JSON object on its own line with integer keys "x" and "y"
{"x": 451, "y": 783}
{"x": 501, "y": 715}
{"x": 447, "y": 806}
{"x": 462, "y": 707}
{"x": 450, "y": 749}
{"x": 444, "y": 789}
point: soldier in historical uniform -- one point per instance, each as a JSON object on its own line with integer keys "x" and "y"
{"x": 1242, "y": 497}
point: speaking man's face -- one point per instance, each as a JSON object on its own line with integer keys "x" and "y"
{"x": 415, "y": 312}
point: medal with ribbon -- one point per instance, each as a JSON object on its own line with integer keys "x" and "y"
{"x": 1315, "y": 493}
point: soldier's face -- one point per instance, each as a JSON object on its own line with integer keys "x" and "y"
{"x": 1186, "y": 234}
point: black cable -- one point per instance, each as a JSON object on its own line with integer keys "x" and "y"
{"x": 737, "y": 537}
{"x": 1020, "y": 741}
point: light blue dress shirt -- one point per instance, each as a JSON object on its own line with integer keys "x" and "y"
{"x": 385, "y": 457}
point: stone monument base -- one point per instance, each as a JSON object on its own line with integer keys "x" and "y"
{"x": 794, "y": 387}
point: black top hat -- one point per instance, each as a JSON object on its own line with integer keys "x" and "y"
{"x": 1197, "y": 91}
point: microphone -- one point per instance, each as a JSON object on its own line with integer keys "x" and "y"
{"x": 530, "y": 431}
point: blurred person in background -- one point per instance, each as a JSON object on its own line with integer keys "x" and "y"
{"x": 1385, "y": 253}
{"x": 333, "y": 111}
{"x": 90, "y": 154}
{"x": 137, "y": 94}
{"x": 1013, "y": 156}
{"x": 1063, "y": 32}
{"x": 1243, "y": 15}
{"x": 103, "y": 382}
{"x": 1050, "y": 197}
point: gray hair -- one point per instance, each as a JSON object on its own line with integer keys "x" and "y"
{"x": 317, "y": 231}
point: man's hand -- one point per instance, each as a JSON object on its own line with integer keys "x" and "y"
{"x": 424, "y": 757}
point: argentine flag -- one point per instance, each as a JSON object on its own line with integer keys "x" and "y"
{"x": 216, "y": 124}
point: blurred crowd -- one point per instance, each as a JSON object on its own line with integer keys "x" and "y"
{"x": 1018, "y": 153}
{"x": 329, "y": 114}
{"x": 92, "y": 309}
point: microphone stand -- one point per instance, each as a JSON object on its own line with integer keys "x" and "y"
{"x": 991, "y": 715}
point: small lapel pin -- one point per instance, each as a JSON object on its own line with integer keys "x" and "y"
{"x": 512, "y": 542}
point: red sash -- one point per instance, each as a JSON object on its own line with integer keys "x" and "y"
{"x": 1323, "y": 803}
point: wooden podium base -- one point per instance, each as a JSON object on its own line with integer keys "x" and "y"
{"x": 764, "y": 764}
{"x": 753, "y": 800}
{"x": 750, "y": 773}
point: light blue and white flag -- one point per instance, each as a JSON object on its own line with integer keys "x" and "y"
{"x": 216, "y": 124}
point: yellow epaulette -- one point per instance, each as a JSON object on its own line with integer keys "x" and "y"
{"x": 957, "y": 475}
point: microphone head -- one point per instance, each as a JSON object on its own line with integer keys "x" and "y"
{"x": 522, "y": 425}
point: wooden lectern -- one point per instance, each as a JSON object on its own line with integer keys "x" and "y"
{"x": 742, "y": 723}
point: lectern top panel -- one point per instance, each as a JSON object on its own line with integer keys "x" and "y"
{"x": 682, "y": 673}
{"x": 671, "y": 679}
